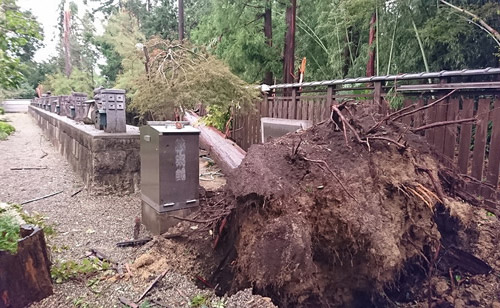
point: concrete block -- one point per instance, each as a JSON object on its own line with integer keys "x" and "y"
{"x": 159, "y": 223}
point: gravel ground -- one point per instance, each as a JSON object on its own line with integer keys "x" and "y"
{"x": 85, "y": 222}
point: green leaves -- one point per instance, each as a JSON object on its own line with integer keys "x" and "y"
{"x": 19, "y": 37}
{"x": 9, "y": 232}
{"x": 65, "y": 270}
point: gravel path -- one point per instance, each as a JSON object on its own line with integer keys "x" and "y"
{"x": 85, "y": 222}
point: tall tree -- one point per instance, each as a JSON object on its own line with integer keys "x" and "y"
{"x": 289, "y": 50}
{"x": 268, "y": 33}
{"x": 180, "y": 5}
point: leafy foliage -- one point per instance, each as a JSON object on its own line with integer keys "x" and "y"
{"x": 5, "y": 130}
{"x": 19, "y": 37}
{"x": 59, "y": 84}
{"x": 181, "y": 75}
{"x": 9, "y": 233}
{"x": 66, "y": 270}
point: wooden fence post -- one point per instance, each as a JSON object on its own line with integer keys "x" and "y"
{"x": 292, "y": 110}
{"x": 377, "y": 97}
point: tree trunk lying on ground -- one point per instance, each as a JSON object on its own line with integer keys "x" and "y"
{"x": 226, "y": 153}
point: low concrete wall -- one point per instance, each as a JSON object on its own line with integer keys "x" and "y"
{"x": 107, "y": 163}
{"x": 15, "y": 105}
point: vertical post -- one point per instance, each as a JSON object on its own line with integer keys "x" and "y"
{"x": 329, "y": 99}
{"x": 292, "y": 114}
{"x": 377, "y": 97}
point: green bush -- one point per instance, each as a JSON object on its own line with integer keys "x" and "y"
{"x": 5, "y": 130}
{"x": 2, "y": 111}
{"x": 9, "y": 233}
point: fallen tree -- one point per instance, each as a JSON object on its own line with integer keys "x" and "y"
{"x": 359, "y": 217}
{"x": 226, "y": 153}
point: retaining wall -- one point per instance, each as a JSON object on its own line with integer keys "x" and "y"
{"x": 107, "y": 163}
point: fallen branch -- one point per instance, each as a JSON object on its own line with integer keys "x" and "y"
{"x": 29, "y": 168}
{"x": 134, "y": 242}
{"x": 334, "y": 175}
{"x": 151, "y": 285}
{"x": 76, "y": 192}
{"x": 426, "y": 106}
{"x": 40, "y": 198}
{"x": 443, "y": 123}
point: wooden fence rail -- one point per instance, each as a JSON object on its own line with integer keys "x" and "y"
{"x": 472, "y": 148}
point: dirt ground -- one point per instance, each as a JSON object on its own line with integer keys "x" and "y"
{"x": 85, "y": 222}
{"x": 321, "y": 220}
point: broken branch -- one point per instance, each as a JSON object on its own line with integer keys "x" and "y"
{"x": 443, "y": 123}
{"x": 40, "y": 198}
{"x": 426, "y": 106}
{"x": 151, "y": 285}
{"x": 344, "y": 120}
{"x": 134, "y": 242}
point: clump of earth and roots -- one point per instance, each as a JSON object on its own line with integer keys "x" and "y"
{"x": 357, "y": 212}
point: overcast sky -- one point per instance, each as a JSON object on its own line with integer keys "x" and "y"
{"x": 46, "y": 14}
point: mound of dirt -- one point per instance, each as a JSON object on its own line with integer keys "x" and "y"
{"x": 321, "y": 220}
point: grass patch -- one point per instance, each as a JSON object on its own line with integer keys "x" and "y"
{"x": 5, "y": 130}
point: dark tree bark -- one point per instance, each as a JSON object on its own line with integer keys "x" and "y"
{"x": 289, "y": 52}
{"x": 181, "y": 19}
{"x": 25, "y": 276}
{"x": 370, "y": 67}
{"x": 268, "y": 32}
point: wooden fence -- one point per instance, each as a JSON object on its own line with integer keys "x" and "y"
{"x": 472, "y": 148}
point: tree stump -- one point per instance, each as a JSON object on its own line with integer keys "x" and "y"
{"x": 25, "y": 276}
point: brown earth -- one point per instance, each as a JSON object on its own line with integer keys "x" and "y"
{"x": 321, "y": 223}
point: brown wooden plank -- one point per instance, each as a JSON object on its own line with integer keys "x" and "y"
{"x": 279, "y": 112}
{"x": 418, "y": 119}
{"x": 450, "y": 134}
{"x": 465, "y": 135}
{"x": 270, "y": 108}
{"x": 292, "y": 106}
{"x": 323, "y": 110}
{"x": 299, "y": 109}
{"x": 407, "y": 120}
{"x": 439, "y": 131}
{"x": 493, "y": 171}
{"x": 430, "y": 117}
{"x": 310, "y": 110}
{"x": 317, "y": 110}
{"x": 480, "y": 138}
{"x": 305, "y": 105}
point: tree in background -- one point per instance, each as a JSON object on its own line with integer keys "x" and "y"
{"x": 19, "y": 39}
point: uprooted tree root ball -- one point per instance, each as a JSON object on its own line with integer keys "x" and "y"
{"x": 321, "y": 219}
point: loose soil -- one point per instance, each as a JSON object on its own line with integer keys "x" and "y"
{"x": 321, "y": 223}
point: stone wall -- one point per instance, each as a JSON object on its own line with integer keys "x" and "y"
{"x": 107, "y": 163}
